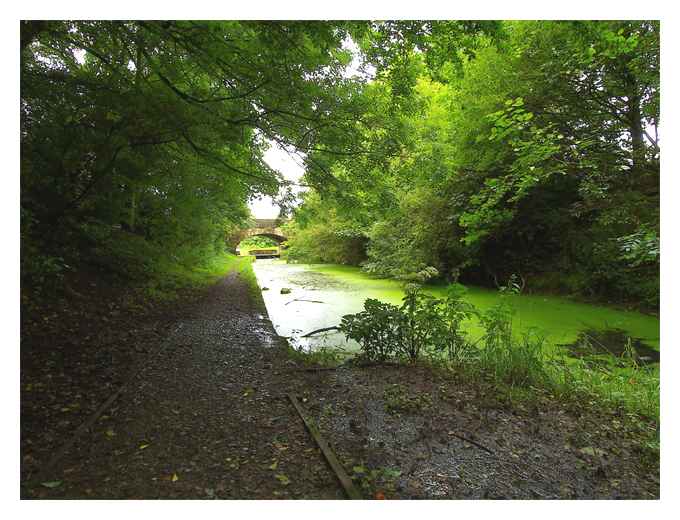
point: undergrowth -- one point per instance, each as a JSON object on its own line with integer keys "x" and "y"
{"x": 429, "y": 329}
{"x": 163, "y": 275}
{"x": 243, "y": 267}
{"x": 169, "y": 279}
{"x": 159, "y": 271}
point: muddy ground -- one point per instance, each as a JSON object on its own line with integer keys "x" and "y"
{"x": 204, "y": 415}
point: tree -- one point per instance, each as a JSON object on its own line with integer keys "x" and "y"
{"x": 160, "y": 127}
{"x": 534, "y": 152}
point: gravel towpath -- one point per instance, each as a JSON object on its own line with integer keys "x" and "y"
{"x": 206, "y": 417}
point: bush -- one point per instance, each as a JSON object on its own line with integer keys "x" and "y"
{"x": 422, "y": 323}
{"x": 378, "y": 329}
{"x": 324, "y": 239}
{"x": 40, "y": 268}
{"x": 451, "y": 340}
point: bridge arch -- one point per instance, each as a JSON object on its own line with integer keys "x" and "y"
{"x": 269, "y": 228}
{"x": 256, "y": 233}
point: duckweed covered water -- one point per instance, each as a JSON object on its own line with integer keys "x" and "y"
{"x": 321, "y": 294}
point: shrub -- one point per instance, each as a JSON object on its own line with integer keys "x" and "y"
{"x": 377, "y": 329}
{"x": 422, "y": 323}
{"x": 450, "y": 338}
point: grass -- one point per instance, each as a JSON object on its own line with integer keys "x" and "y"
{"x": 162, "y": 274}
{"x": 634, "y": 388}
{"x": 243, "y": 267}
{"x": 530, "y": 363}
{"x": 524, "y": 372}
{"x": 323, "y": 356}
{"x": 611, "y": 394}
{"x": 169, "y": 279}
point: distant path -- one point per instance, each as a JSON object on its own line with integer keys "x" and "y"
{"x": 207, "y": 418}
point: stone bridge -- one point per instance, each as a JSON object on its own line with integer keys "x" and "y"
{"x": 266, "y": 227}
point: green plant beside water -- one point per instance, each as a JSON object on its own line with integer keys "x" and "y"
{"x": 256, "y": 242}
{"x": 561, "y": 318}
{"x": 429, "y": 328}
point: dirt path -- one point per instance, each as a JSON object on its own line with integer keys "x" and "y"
{"x": 411, "y": 432}
{"x": 207, "y": 418}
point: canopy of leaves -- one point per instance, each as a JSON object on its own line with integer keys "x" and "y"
{"x": 159, "y": 128}
{"x": 477, "y": 149}
{"x": 533, "y": 149}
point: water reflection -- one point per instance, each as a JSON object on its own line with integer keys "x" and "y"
{"x": 315, "y": 300}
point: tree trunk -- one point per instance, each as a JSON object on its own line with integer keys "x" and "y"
{"x": 635, "y": 123}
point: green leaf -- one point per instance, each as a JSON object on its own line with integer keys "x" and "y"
{"x": 51, "y": 484}
{"x": 283, "y": 479}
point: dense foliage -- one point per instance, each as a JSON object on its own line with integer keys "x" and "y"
{"x": 535, "y": 153}
{"x": 422, "y": 323}
{"x": 258, "y": 241}
{"x": 519, "y": 154}
{"x": 142, "y": 140}
{"x": 477, "y": 150}
{"x": 323, "y": 236}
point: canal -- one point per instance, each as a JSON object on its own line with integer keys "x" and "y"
{"x": 321, "y": 294}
